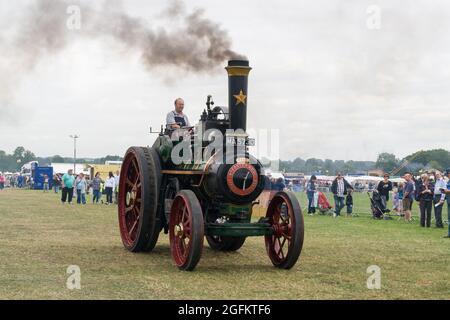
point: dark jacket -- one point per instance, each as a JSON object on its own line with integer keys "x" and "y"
{"x": 278, "y": 186}
{"x": 310, "y": 189}
{"x": 267, "y": 183}
{"x": 384, "y": 188}
{"x": 349, "y": 200}
{"x": 425, "y": 196}
{"x": 57, "y": 181}
{"x": 334, "y": 186}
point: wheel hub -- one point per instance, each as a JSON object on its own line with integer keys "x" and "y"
{"x": 130, "y": 198}
{"x": 278, "y": 230}
{"x": 179, "y": 232}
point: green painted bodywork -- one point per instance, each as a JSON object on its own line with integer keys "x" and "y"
{"x": 238, "y": 224}
{"x": 192, "y": 166}
{"x": 163, "y": 145}
{"x": 233, "y": 229}
{"x": 230, "y": 210}
{"x": 238, "y": 217}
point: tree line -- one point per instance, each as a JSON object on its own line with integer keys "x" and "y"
{"x": 14, "y": 161}
{"x": 438, "y": 159}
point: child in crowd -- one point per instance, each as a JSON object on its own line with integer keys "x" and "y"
{"x": 400, "y": 191}
{"x": 45, "y": 186}
{"x": 349, "y": 203}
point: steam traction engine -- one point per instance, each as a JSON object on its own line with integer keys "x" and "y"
{"x": 209, "y": 196}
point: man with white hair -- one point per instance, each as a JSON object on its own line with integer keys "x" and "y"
{"x": 447, "y": 192}
{"x": 439, "y": 198}
{"x": 408, "y": 197}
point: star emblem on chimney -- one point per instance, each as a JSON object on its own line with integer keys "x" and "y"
{"x": 240, "y": 98}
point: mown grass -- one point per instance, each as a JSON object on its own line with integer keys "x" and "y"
{"x": 40, "y": 238}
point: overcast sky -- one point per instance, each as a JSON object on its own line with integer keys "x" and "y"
{"x": 336, "y": 83}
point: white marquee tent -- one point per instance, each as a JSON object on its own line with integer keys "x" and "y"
{"x": 62, "y": 168}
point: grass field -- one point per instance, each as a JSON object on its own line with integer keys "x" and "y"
{"x": 40, "y": 238}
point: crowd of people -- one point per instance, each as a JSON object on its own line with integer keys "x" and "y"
{"x": 15, "y": 181}
{"x": 79, "y": 186}
{"x": 274, "y": 184}
{"x": 342, "y": 193}
{"x": 301, "y": 184}
{"x": 431, "y": 191}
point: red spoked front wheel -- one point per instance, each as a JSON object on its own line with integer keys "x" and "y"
{"x": 186, "y": 230}
{"x": 285, "y": 244}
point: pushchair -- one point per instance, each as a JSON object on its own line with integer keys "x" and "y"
{"x": 322, "y": 204}
{"x": 377, "y": 206}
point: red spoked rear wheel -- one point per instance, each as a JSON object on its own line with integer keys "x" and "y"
{"x": 285, "y": 244}
{"x": 186, "y": 230}
{"x": 138, "y": 199}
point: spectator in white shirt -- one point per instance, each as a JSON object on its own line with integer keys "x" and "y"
{"x": 116, "y": 187}
{"x": 110, "y": 184}
{"x": 439, "y": 198}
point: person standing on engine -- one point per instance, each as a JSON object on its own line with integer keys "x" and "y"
{"x": 177, "y": 119}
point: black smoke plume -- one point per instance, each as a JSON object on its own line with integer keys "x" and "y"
{"x": 186, "y": 40}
